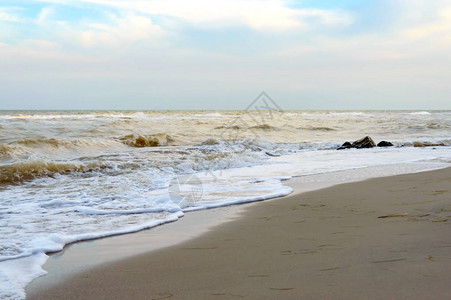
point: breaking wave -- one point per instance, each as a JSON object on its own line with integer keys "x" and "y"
{"x": 29, "y": 148}
{"x": 24, "y": 171}
{"x": 12, "y": 151}
{"x": 62, "y": 143}
{"x": 212, "y": 153}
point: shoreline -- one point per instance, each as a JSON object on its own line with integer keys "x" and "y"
{"x": 312, "y": 213}
{"x": 84, "y": 255}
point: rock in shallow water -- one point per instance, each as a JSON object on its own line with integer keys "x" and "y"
{"x": 346, "y": 145}
{"x": 365, "y": 142}
{"x": 384, "y": 144}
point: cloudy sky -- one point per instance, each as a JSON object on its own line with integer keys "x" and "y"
{"x": 220, "y": 54}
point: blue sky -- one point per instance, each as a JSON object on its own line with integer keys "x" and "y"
{"x": 218, "y": 54}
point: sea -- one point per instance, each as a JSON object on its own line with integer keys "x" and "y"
{"x": 69, "y": 176}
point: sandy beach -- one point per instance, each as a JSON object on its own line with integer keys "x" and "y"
{"x": 384, "y": 238}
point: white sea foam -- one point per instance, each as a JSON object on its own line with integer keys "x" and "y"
{"x": 16, "y": 274}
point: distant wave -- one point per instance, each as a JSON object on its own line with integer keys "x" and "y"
{"x": 74, "y": 115}
{"x": 426, "y": 126}
{"x": 317, "y": 128}
{"x": 54, "y": 142}
{"x": 435, "y": 125}
{"x": 419, "y": 113}
{"x": 233, "y": 127}
{"x": 264, "y": 127}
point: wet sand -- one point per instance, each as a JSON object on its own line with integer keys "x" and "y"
{"x": 385, "y": 238}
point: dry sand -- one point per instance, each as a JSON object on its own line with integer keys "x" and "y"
{"x": 385, "y": 238}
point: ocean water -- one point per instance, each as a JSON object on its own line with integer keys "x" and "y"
{"x": 67, "y": 176}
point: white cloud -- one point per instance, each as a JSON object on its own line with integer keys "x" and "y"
{"x": 135, "y": 23}
{"x": 259, "y": 15}
{"x": 44, "y": 14}
{"x": 421, "y": 31}
{"x": 129, "y": 28}
{"x": 400, "y": 53}
{"x": 55, "y": 1}
{"x": 440, "y": 28}
{"x": 6, "y": 15}
{"x": 43, "y": 45}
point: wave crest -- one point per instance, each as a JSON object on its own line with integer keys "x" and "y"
{"x": 263, "y": 127}
{"x": 319, "y": 128}
{"x": 438, "y": 143}
{"x": 24, "y": 171}
{"x": 230, "y": 127}
{"x": 211, "y": 141}
{"x": 41, "y": 147}
{"x": 428, "y": 144}
{"x": 11, "y": 151}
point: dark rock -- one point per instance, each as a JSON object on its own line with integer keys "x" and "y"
{"x": 384, "y": 144}
{"x": 365, "y": 142}
{"x": 346, "y": 145}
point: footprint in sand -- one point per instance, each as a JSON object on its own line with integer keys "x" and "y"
{"x": 281, "y": 289}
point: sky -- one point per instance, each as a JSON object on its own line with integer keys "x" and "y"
{"x": 221, "y": 54}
